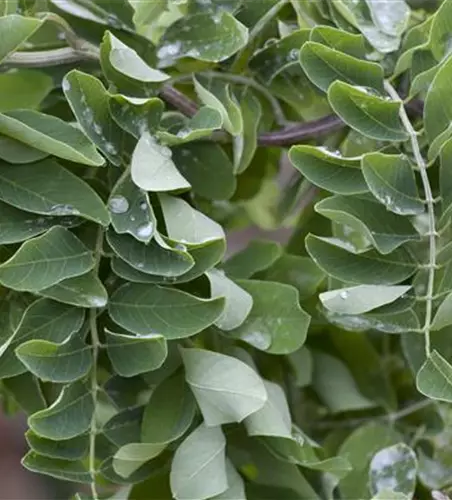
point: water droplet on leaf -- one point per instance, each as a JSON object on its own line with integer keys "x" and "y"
{"x": 118, "y": 204}
{"x": 145, "y": 230}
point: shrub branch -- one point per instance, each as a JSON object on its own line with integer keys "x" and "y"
{"x": 430, "y": 202}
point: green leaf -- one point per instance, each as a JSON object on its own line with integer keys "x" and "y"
{"x": 131, "y": 211}
{"x": 245, "y": 144}
{"x": 236, "y": 486}
{"x": 369, "y": 114}
{"x": 299, "y": 272}
{"x": 45, "y": 261}
{"x": 443, "y": 316}
{"x": 16, "y": 152}
{"x": 145, "y": 309}
{"x": 60, "y": 469}
{"x": 361, "y": 299}
{"x": 434, "y": 379}
{"x": 82, "y": 291}
{"x": 58, "y": 363}
{"x": 273, "y": 419}
{"x": 186, "y": 225}
{"x": 69, "y": 416}
{"x": 276, "y": 324}
{"x": 124, "y": 427}
{"x": 386, "y": 231}
{"x": 391, "y": 17}
{"x": 217, "y": 95}
{"x": 344, "y": 41}
{"x": 69, "y": 449}
{"x": 198, "y": 469}
{"x": 445, "y": 183}
{"x": 201, "y": 125}
{"x": 132, "y": 355}
{"x": 43, "y": 319}
{"x": 169, "y": 412}
{"x": 363, "y": 360}
{"x": 152, "y": 167}
{"x": 51, "y": 135}
{"x": 126, "y": 69}
{"x": 389, "y": 495}
{"x": 393, "y": 468}
{"x": 152, "y": 258}
{"x": 361, "y": 16}
{"x": 334, "y": 384}
{"x": 329, "y": 170}
{"x": 24, "y": 89}
{"x": 26, "y": 391}
{"x": 277, "y": 57}
{"x": 206, "y": 257}
{"x": 370, "y": 268}
{"x": 302, "y": 453}
{"x": 130, "y": 457}
{"x": 391, "y": 180}
{"x": 17, "y": 226}
{"x": 226, "y": 389}
{"x": 257, "y": 256}
{"x": 203, "y": 36}
{"x": 127, "y": 62}
{"x": 14, "y": 31}
{"x": 324, "y": 65}
{"x": 49, "y": 189}
{"x": 88, "y": 100}
{"x": 207, "y": 168}
{"x": 437, "y": 112}
{"x": 238, "y": 302}
{"x": 359, "y": 448}
{"x": 136, "y": 115}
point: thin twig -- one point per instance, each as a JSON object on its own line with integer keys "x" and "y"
{"x": 390, "y": 417}
{"x": 179, "y": 101}
{"x": 284, "y": 137}
{"x": 430, "y": 202}
{"x": 95, "y": 343}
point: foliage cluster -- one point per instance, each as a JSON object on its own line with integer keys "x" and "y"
{"x": 134, "y": 135}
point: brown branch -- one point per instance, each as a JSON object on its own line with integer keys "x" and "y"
{"x": 284, "y": 137}
{"x": 301, "y": 132}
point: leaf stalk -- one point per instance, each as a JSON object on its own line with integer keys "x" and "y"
{"x": 95, "y": 346}
{"x": 430, "y": 202}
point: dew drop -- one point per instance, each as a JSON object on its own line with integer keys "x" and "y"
{"x": 183, "y": 133}
{"x": 181, "y": 247}
{"x": 97, "y": 128}
{"x": 143, "y": 206}
{"x": 64, "y": 210}
{"x": 343, "y": 295}
{"x": 95, "y": 301}
{"x": 145, "y": 230}
{"x": 66, "y": 85}
{"x": 388, "y": 201}
{"x": 118, "y": 204}
{"x": 140, "y": 265}
{"x": 293, "y": 55}
{"x": 111, "y": 148}
{"x": 166, "y": 152}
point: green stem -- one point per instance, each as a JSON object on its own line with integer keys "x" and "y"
{"x": 95, "y": 346}
{"x": 391, "y": 417}
{"x": 278, "y": 113}
{"x": 247, "y": 82}
{"x": 430, "y": 202}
